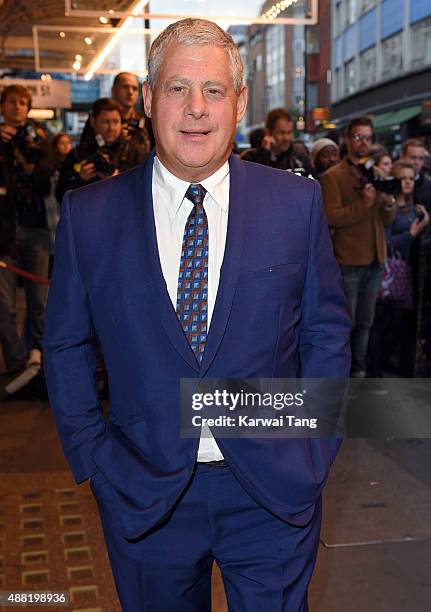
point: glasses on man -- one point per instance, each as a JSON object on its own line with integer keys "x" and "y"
{"x": 361, "y": 137}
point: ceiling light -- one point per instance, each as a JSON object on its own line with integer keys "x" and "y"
{"x": 103, "y": 20}
{"x": 78, "y": 57}
{"x": 113, "y": 41}
{"x": 62, "y": 34}
{"x": 76, "y": 65}
{"x": 88, "y": 40}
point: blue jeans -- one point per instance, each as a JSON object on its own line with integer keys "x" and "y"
{"x": 32, "y": 247}
{"x": 361, "y": 286}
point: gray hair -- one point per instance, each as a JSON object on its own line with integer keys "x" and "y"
{"x": 195, "y": 32}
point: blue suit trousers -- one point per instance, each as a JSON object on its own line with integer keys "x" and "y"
{"x": 266, "y": 563}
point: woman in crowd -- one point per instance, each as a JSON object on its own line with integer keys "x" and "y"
{"x": 383, "y": 162}
{"x": 395, "y": 331}
{"x": 61, "y": 145}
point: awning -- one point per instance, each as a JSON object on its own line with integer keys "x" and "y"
{"x": 384, "y": 120}
{"x": 387, "y": 120}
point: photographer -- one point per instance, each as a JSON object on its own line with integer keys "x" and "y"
{"x": 135, "y": 126}
{"x": 105, "y": 155}
{"x": 358, "y": 214}
{"x": 24, "y": 239}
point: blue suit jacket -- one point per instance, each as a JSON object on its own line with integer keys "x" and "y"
{"x": 280, "y": 312}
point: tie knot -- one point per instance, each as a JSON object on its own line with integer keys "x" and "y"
{"x": 196, "y": 193}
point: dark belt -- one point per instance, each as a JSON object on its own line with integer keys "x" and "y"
{"x": 221, "y": 463}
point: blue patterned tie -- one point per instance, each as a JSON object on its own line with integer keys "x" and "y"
{"x": 192, "y": 295}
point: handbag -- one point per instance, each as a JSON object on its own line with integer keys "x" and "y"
{"x": 396, "y": 286}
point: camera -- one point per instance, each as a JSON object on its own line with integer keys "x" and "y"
{"x": 136, "y": 124}
{"x": 26, "y": 141}
{"x": 100, "y": 158}
{"x": 389, "y": 185}
{"x": 101, "y": 164}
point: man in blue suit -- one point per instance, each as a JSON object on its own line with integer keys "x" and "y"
{"x": 195, "y": 265}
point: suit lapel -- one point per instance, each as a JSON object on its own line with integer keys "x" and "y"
{"x": 231, "y": 266}
{"x": 150, "y": 263}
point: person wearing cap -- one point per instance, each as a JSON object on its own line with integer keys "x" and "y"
{"x": 325, "y": 153}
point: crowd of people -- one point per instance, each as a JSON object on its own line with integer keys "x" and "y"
{"x": 377, "y": 210}
{"x": 36, "y": 170}
{"x": 378, "y": 214}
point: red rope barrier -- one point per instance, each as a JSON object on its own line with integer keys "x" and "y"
{"x": 23, "y": 273}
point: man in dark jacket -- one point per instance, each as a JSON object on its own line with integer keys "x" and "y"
{"x": 414, "y": 151}
{"x": 106, "y": 154}
{"x": 276, "y": 149}
{"x": 25, "y": 171}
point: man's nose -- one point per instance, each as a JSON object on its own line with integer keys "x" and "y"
{"x": 196, "y": 103}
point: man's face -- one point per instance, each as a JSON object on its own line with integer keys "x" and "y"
{"x": 327, "y": 158}
{"x": 15, "y": 109}
{"x": 194, "y": 110}
{"x": 416, "y": 156}
{"x": 126, "y": 91}
{"x": 108, "y": 124}
{"x": 359, "y": 142}
{"x": 283, "y": 135}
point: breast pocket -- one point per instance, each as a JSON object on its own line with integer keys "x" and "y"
{"x": 278, "y": 270}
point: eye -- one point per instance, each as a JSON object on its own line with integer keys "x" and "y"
{"x": 214, "y": 92}
{"x": 176, "y": 89}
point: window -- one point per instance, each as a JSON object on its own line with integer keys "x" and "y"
{"x": 312, "y": 95}
{"x": 258, "y": 65}
{"x": 367, "y": 5}
{"x": 368, "y": 67}
{"x": 392, "y": 56}
{"x": 349, "y": 78}
{"x": 338, "y": 28}
{"x": 427, "y": 46}
{"x": 275, "y": 66}
{"x": 313, "y": 39}
{"x": 421, "y": 34}
{"x": 351, "y": 12}
{"x": 337, "y": 89}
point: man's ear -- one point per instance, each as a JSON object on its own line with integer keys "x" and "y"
{"x": 241, "y": 104}
{"x": 147, "y": 97}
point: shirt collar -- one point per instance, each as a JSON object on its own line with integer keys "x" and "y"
{"x": 174, "y": 189}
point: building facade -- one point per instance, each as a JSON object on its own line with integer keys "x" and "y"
{"x": 381, "y": 61}
{"x": 276, "y": 68}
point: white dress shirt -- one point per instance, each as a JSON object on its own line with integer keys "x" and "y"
{"x": 171, "y": 211}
